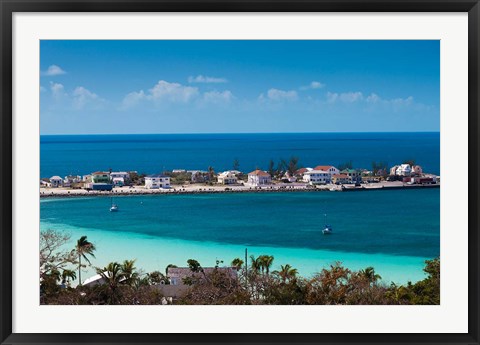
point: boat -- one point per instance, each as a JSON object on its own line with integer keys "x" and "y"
{"x": 113, "y": 207}
{"x": 328, "y": 228}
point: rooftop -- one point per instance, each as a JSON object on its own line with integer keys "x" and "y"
{"x": 259, "y": 172}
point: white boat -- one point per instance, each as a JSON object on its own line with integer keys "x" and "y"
{"x": 113, "y": 207}
{"x": 328, "y": 228}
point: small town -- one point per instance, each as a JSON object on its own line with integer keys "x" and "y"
{"x": 318, "y": 178}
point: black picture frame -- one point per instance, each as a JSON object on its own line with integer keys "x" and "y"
{"x": 8, "y": 7}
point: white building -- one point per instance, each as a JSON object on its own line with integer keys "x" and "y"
{"x": 328, "y": 168}
{"x": 70, "y": 179}
{"x": 227, "y": 177}
{"x": 404, "y": 170}
{"x": 157, "y": 181}
{"x": 259, "y": 178}
{"x": 317, "y": 177}
{"x": 56, "y": 181}
{"x": 119, "y": 178}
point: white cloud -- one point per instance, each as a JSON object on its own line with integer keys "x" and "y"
{"x": 218, "y": 97}
{"x": 346, "y": 97}
{"x": 173, "y": 92}
{"x": 42, "y": 89}
{"x": 58, "y": 90}
{"x": 279, "y": 95}
{"x": 53, "y": 70}
{"x": 396, "y": 102}
{"x": 163, "y": 91}
{"x": 205, "y": 79}
{"x": 373, "y": 98}
{"x": 313, "y": 85}
{"x": 133, "y": 98}
{"x": 82, "y": 97}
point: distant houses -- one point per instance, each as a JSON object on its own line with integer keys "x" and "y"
{"x": 317, "y": 177}
{"x": 119, "y": 178}
{"x": 100, "y": 177}
{"x": 227, "y": 177}
{"x": 157, "y": 181}
{"x": 258, "y": 178}
{"x": 56, "y": 181}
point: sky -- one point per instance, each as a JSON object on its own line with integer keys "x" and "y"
{"x": 127, "y": 87}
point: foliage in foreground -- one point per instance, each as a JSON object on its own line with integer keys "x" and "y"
{"x": 254, "y": 283}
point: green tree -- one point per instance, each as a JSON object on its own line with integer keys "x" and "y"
{"x": 409, "y": 162}
{"x": 293, "y": 165}
{"x": 370, "y": 275}
{"x": 211, "y": 174}
{"x": 113, "y": 276}
{"x": 83, "y": 249}
{"x": 128, "y": 270}
{"x": 68, "y": 275}
{"x": 256, "y": 264}
{"x": 346, "y": 165}
{"x": 266, "y": 262}
{"x": 236, "y": 164}
{"x": 286, "y": 273}
{"x": 271, "y": 168}
{"x": 237, "y": 263}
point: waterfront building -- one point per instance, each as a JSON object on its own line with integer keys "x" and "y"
{"x": 157, "y": 181}
{"x": 404, "y": 170}
{"x": 259, "y": 178}
{"x": 56, "y": 181}
{"x": 198, "y": 176}
{"x": 317, "y": 177}
{"x": 100, "y": 177}
{"x": 417, "y": 170}
{"x": 289, "y": 177}
{"x": 227, "y": 177}
{"x": 328, "y": 168}
{"x": 393, "y": 170}
{"x": 354, "y": 176}
{"x": 87, "y": 178}
{"x": 71, "y": 179}
{"x": 119, "y": 178}
{"x": 340, "y": 179}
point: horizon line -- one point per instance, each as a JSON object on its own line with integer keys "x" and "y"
{"x": 210, "y": 133}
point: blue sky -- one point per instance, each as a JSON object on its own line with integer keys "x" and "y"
{"x": 126, "y": 87}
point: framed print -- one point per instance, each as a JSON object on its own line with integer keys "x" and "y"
{"x": 239, "y": 172}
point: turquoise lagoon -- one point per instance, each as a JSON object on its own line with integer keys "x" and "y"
{"x": 394, "y": 231}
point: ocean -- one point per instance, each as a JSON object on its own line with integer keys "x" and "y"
{"x": 394, "y": 231}
{"x": 153, "y": 153}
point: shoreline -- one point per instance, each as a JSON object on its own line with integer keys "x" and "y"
{"x": 227, "y": 189}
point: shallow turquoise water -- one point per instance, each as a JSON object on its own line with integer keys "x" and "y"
{"x": 394, "y": 231}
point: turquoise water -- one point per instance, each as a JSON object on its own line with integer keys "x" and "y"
{"x": 394, "y": 231}
{"x": 152, "y": 153}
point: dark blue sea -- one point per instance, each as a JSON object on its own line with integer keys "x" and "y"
{"x": 153, "y": 153}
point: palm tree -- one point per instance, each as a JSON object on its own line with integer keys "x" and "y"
{"x": 256, "y": 263}
{"x": 83, "y": 248}
{"x": 113, "y": 276}
{"x": 237, "y": 263}
{"x": 369, "y": 274}
{"x": 128, "y": 271}
{"x": 67, "y": 275}
{"x": 266, "y": 262}
{"x": 286, "y": 272}
{"x": 211, "y": 173}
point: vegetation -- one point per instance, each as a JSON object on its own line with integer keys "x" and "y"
{"x": 346, "y": 165}
{"x": 251, "y": 282}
